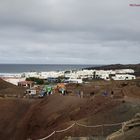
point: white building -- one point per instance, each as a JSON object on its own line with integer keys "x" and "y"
{"x": 123, "y": 77}
{"x": 71, "y": 80}
{"x": 31, "y": 74}
{"x": 122, "y": 74}
{"x": 125, "y": 71}
{"x": 52, "y": 74}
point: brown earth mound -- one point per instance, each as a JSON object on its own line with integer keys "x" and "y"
{"x": 12, "y": 112}
{"x": 37, "y": 118}
{"x": 8, "y": 89}
{"x": 56, "y": 112}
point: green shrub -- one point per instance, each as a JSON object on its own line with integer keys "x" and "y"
{"x": 36, "y": 80}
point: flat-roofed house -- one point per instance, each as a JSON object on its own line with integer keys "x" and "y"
{"x": 27, "y": 84}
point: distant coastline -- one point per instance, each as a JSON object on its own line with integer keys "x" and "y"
{"x": 19, "y": 68}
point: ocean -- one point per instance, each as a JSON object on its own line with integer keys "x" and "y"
{"x": 19, "y": 68}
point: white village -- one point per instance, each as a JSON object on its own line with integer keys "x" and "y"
{"x": 73, "y": 76}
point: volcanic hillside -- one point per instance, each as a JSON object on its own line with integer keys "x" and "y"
{"x": 10, "y": 89}
{"x": 37, "y": 118}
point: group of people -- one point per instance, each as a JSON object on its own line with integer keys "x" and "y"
{"x": 60, "y": 88}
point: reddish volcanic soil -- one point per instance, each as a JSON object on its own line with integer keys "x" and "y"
{"x": 36, "y": 118}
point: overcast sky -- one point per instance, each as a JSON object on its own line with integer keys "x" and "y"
{"x": 69, "y": 31}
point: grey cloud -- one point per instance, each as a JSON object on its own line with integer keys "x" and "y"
{"x": 69, "y": 31}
